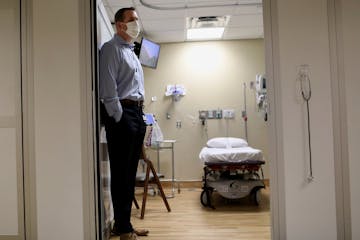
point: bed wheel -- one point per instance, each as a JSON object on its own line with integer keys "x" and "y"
{"x": 256, "y": 195}
{"x": 205, "y": 198}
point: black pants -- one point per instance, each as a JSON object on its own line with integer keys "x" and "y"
{"x": 124, "y": 140}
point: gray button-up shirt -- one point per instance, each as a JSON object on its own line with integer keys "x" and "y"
{"x": 121, "y": 76}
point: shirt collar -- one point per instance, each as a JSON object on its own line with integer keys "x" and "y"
{"x": 119, "y": 40}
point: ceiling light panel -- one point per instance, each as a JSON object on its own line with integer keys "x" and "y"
{"x": 205, "y": 33}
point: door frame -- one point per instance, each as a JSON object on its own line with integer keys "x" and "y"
{"x": 275, "y": 140}
{"x": 339, "y": 118}
{"x": 14, "y": 121}
{"x": 28, "y": 120}
{"x": 86, "y": 16}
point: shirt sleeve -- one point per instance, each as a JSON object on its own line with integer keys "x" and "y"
{"x": 108, "y": 68}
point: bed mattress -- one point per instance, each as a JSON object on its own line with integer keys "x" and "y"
{"x": 230, "y": 155}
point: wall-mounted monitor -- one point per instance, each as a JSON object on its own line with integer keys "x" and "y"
{"x": 149, "y": 53}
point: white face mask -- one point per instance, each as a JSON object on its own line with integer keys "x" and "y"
{"x": 133, "y": 29}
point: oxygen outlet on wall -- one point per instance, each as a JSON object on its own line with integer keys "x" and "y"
{"x": 203, "y": 116}
{"x": 229, "y": 113}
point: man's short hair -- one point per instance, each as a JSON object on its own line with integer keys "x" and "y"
{"x": 120, "y": 14}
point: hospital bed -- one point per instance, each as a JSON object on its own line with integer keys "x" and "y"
{"x": 231, "y": 168}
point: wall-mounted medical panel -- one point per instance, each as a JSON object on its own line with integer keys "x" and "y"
{"x": 211, "y": 114}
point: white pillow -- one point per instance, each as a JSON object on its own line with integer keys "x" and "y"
{"x": 226, "y": 142}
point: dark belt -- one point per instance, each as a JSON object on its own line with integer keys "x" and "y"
{"x": 128, "y": 102}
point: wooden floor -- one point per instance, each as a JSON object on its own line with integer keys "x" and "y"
{"x": 189, "y": 220}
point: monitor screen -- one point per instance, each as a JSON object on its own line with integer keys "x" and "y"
{"x": 149, "y": 53}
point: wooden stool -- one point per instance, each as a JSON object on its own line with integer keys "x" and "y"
{"x": 150, "y": 178}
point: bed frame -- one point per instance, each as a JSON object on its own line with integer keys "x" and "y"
{"x": 232, "y": 180}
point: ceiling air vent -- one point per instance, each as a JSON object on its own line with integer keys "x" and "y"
{"x": 207, "y": 21}
{"x": 206, "y": 28}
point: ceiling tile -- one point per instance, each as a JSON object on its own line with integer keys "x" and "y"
{"x": 246, "y": 20}
{"x": 243, "y": 33}
{"x": 169, "y": 25}
{"x": 166, "y": 36}
{"x": 120, "y": 4}
{"x": 148, "y": 13}
{"x": 201, "y": 12}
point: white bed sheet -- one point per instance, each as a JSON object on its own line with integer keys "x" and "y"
{"x": 234, "y": 155}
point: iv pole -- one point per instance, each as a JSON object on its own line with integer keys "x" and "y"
{"x": 244, "y": 113}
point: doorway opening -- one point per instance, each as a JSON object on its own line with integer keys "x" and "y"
{"x": 232, "y": 90}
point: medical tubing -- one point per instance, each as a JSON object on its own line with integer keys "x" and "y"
{"x": 304, "y": 77}
{"x": 307, "y": 98}
{"x": 245, "y": 116}
{"x": 309, "y": 141}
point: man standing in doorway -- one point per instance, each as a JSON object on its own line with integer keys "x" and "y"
{"x": 122, "y": 95}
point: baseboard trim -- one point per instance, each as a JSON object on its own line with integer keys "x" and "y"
{"x": 193, "y": 183}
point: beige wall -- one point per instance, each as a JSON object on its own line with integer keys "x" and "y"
{"x": 213, "y": 74}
